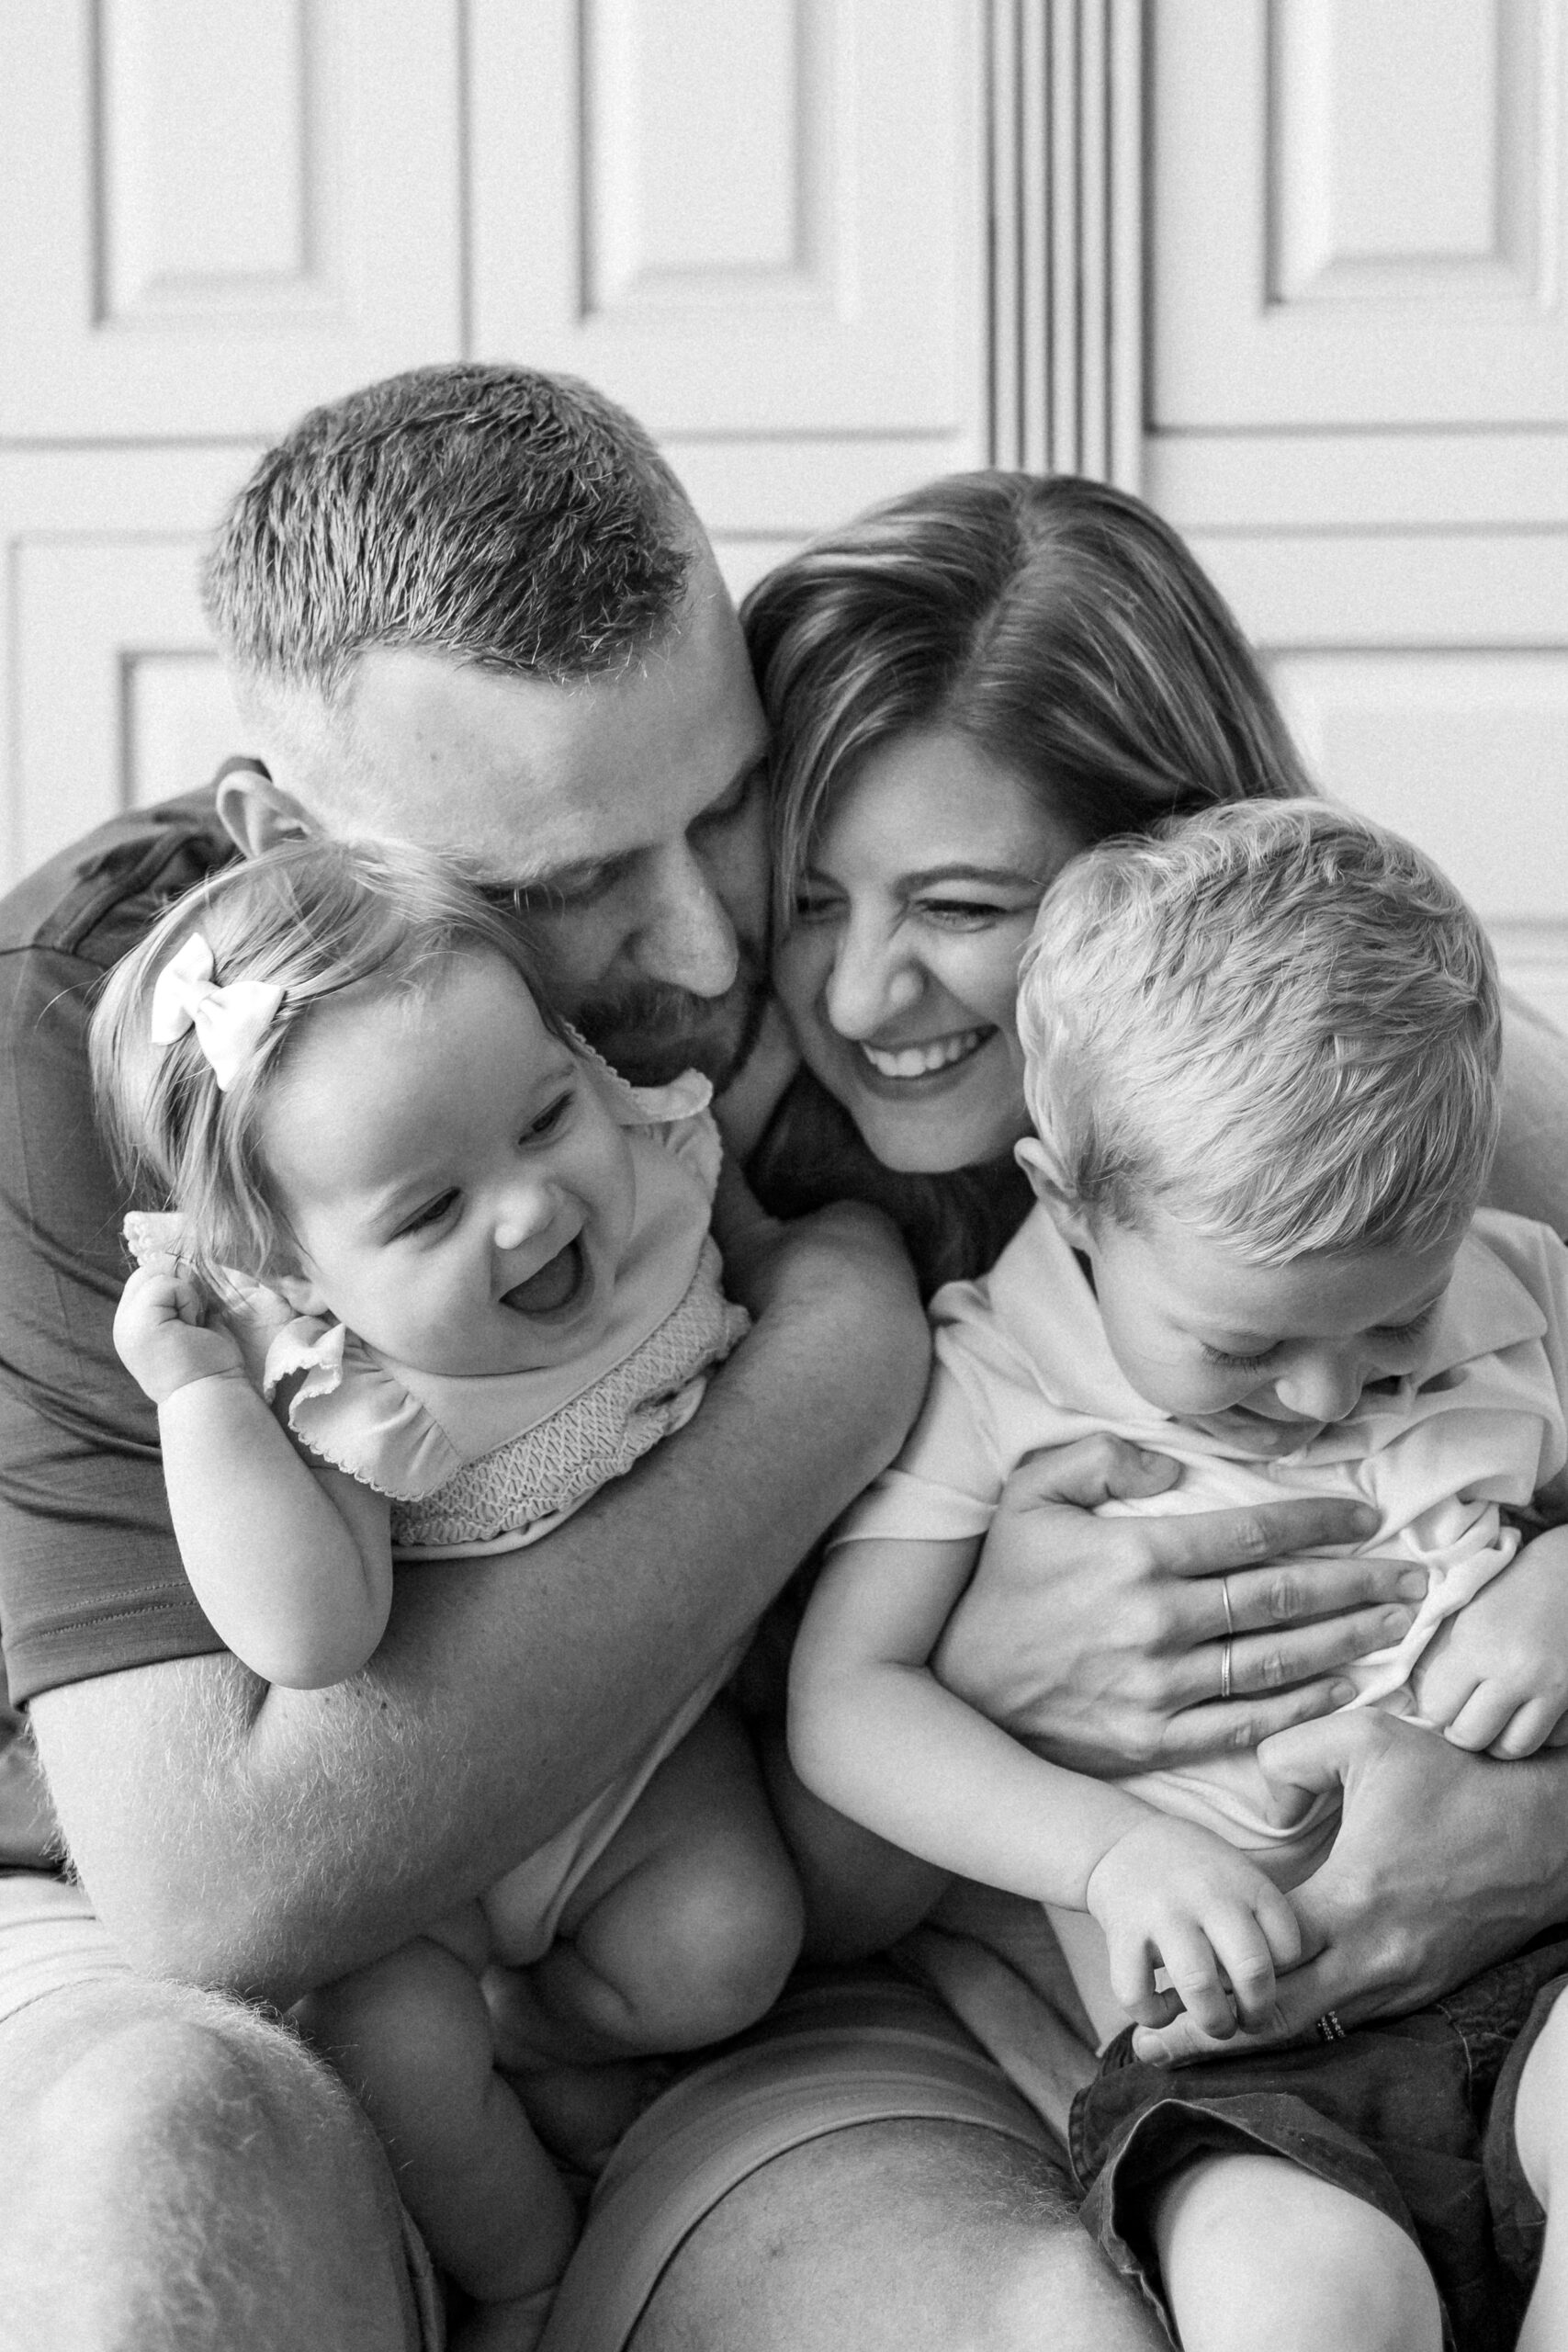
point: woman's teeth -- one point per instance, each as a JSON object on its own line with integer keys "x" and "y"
{"x": 918, "y": 1061}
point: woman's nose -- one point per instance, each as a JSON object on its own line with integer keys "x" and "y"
{"x": 1321, "y": 1387}
{"x": 869, "y": 985}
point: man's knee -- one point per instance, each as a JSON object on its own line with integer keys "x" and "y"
{"x": 926, "y": 2237}
{"x": 177, "y": 2171}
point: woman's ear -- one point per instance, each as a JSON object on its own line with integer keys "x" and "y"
{"x": 1048, "y": 1177}
{"x": 257, "y": 814}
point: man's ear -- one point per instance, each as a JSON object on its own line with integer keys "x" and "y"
{"x": 1048, "y": 1177}
{"x": 257, "y": 814}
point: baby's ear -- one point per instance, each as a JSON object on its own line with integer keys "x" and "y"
{"x": 300, "y": 1291}
{"x": 1047, "y": 1175}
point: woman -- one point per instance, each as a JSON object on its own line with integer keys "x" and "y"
{"x": 965, "y": 687}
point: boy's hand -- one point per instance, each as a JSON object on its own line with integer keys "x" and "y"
{"x": 161, "y": 1335}
{"x": 1496, "y": 1678}
{"x": 1168, "y": 1894}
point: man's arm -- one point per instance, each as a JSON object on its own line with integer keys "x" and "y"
{"x": 1444, "y": 1862}
{"x": 270, "y": 1839}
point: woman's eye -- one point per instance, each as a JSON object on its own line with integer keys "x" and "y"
{"x": 431, "y": 1213}
{"x": 550, "y": 1119}
{"x": 964, "y": 914}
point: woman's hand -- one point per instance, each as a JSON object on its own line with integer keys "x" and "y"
{"x": 1444, "y": 1863}
{"x": 1102, "y": 1642}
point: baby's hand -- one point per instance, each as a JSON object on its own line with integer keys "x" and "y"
{"x": 1496, "y": 1675}
{"x": 161, "y": 1335}
{"x": 1170, "y": 1895}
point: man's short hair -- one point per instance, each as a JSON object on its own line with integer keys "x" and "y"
{"x": 504, "y": 518}
{"x": 1275, "y": 1021}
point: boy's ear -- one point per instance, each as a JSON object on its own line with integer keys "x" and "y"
{"x": 1047, "y": 1176}
{"x": 301, "y": 1294}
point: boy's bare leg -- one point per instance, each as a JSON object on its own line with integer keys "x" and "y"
{"x": 177, "y": 2173}
{"x": 1255, "y": 2250}
{"x": 897, "y": 2237}
{"x": 1540, "y": 2130}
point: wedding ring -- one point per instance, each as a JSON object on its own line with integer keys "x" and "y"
{"x": 1225, "y": 1597}
{"x": 1328, "y": 2028}
{"x": 1225, "y": 1671}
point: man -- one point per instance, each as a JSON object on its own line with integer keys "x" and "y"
{"x": 471, "y": 607}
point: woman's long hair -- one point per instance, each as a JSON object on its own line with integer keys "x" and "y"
{"x": 1068, "y": 633}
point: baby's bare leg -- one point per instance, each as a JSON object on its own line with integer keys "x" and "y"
{"x": 1540, "y": 2130}
{"x": 1255, "y": 2250}
{"x": 689, "y": 1922}
{"x": 412, "y": 2036}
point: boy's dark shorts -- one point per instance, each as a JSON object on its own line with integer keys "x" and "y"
{"x": 1414, "y": 2114}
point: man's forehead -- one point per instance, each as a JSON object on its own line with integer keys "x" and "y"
{"x": 531, "y": 777}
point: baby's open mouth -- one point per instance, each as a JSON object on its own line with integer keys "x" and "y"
{"x": 555, "y": 1286}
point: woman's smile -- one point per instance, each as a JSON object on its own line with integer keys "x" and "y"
{"x": 904, "y": 1063}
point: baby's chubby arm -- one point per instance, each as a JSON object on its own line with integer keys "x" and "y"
{"x": 873, "y": 1733}
{"x": 1495, "y": 1676}
{"x": 293, "y": 1564}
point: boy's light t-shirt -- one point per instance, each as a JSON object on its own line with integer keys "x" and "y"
{"x": 1022, "y": 1363}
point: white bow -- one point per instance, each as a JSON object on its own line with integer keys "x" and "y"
{"x": 230, "y": 1022}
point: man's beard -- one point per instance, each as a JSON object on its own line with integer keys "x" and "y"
{"x": 650, "y": 1032}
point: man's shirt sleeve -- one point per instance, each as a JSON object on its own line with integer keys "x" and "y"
{"x": 90, "y": 1576}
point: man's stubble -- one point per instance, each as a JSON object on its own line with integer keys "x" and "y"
{"x": 650, "y": 1032}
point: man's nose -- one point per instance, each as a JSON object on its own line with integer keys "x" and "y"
{"x": 869, "y": 985}
{"x": 1320, "y": 1386}
{"x": 687, "y": 939}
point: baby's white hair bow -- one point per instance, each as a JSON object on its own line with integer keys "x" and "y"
{"x": 230, "y": 1022}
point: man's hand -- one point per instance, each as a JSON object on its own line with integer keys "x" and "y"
{"x": 161, "y": 1334}
{"x": 1496, "y": 1675}
{"x": 1101, "y": 1641}
{"x": 1444, "y": 1863}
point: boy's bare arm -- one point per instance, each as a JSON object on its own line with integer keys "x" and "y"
{"x": 270, "y": 1838}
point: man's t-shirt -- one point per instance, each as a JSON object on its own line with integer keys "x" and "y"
{"x": 90, "y": 1575}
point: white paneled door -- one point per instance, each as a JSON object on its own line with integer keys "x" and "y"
{"x": 760, "y": 223}
{"x": 1359, "y": 389}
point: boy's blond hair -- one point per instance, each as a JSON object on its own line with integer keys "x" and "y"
{"x": 1276, "y": 1021}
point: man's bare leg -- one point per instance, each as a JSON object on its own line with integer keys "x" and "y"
{"x": 177, "y": 2174}
{"x": 896, "y": 2237}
